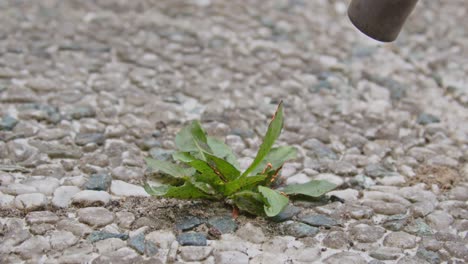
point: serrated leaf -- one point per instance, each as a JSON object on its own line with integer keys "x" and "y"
{"x": 185, "y": 191}
{"x": 223, "y": 151}
{"x": 277, "y": 157}
{"x": 273, "y": 132}
{"x": 249, "y": 201}
{"x": 183, "y": 156}
{"x": 242, "y": 183}
{"x": 223, "y": 167}
{"x": 166, "y": 167}
{"x": 192, "y": 138}
{"x": 275, "y": 202}
{"x": 315, "y": 188}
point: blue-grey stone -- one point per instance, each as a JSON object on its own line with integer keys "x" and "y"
{"x": 82, "y": 139}
{"x": 426, "y": 119}
{"x": 319, "y": 150}
{"x": 50, "y": 113}
{"x": 396, "y": 222}
{"x": 429, "y": 256}
{"x": 419, "y": 227}
{"x": 377, "y": 171}
{"x": 299, "y": 230}
{"x": 81, "y": 112}
{"x": 98, "y": 182}
{"x": 149, "y": 143}
{"x": 319, "y": 220}
{"x": 321, "y": 85}
{"x": 101, "y": 235}
{"x": 138, "y": 243}
{"x": 160, "y": 154}
{"x": 188, "y": 223}
{"x": 224, "y": 224}
{"x": 8, "y": 123}
{"x": 150, "y": 249}
{"x": 192, "y": 239}
{"x": 287, "y": 214}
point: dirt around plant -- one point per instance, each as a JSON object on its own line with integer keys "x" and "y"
{"x": 162, "y": 213}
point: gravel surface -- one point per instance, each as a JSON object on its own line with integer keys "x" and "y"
{"x": 90, "y": 88}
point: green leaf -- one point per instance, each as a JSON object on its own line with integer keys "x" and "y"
{"x": 207, "y": 173}
{"x": 277, "y": 157}
{"x": 249, "y": 201}
{"x": 204, "y": 187}
{"x": 182, "y": 156}
{"x": 313, "y": 188}
{"x": 192, "y": 138}
{"x": 275, "y": 201}
{"x": 185, "y": 191}
{"x": 223, "y": 151}
{"x": 273, "y": 132}
{"x": 242, "y": 183}
{"x": 224, "y": 167}
{"x": 169, "y": 168}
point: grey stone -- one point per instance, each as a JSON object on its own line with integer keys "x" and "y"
{"x": 88, "y": 138}
{"x": 386, "y": 253}
{"x": 305, "y": 254}
{"x": 193, "y": 253}
{"x": 77, "y": 228}
{"x": 161, "y": 238}
{"x": 121, "y": 256}
{"x": 91, "y": 198}
{"x": 121, "y": 188}
{"x": 125, "y": 219}
{"x": 41, "y": 217}
{"x": 411, "y": 260}
{"x": 63, "y": 196}
{"x": 251, "y": 233}
{"x": 101, "y": 235}
{"x": 231, "y": 257}
{"x": 457, "y": 249}
{"x": 188, "y": 223}
{"x": 7, "y": 201}
{"x": 400, "y": 240}
{"x": 345, "y": 258}
{"x": 299, "y": 230}
{"x": 95, "y": 216}
{"x": 31, "y": 201}
{"x": 366, "y": 233}
{"x": 192, "y": 239}
{"x": 98, "y": 182}
{"x": 224, "y": 224}
{"x": 318, "y": 220}
{"x": 41, "y": 229}
{"x": 108, "y": 245}
{"x": 60, "y": 240}
{"x": 439, "y": 220}
{"x": 336, "y": 240}
{"x": 46, "y": 186}
{"x": 34, "y": 246}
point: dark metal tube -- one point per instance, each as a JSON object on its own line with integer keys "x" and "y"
{"x": 380, "y": 19}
